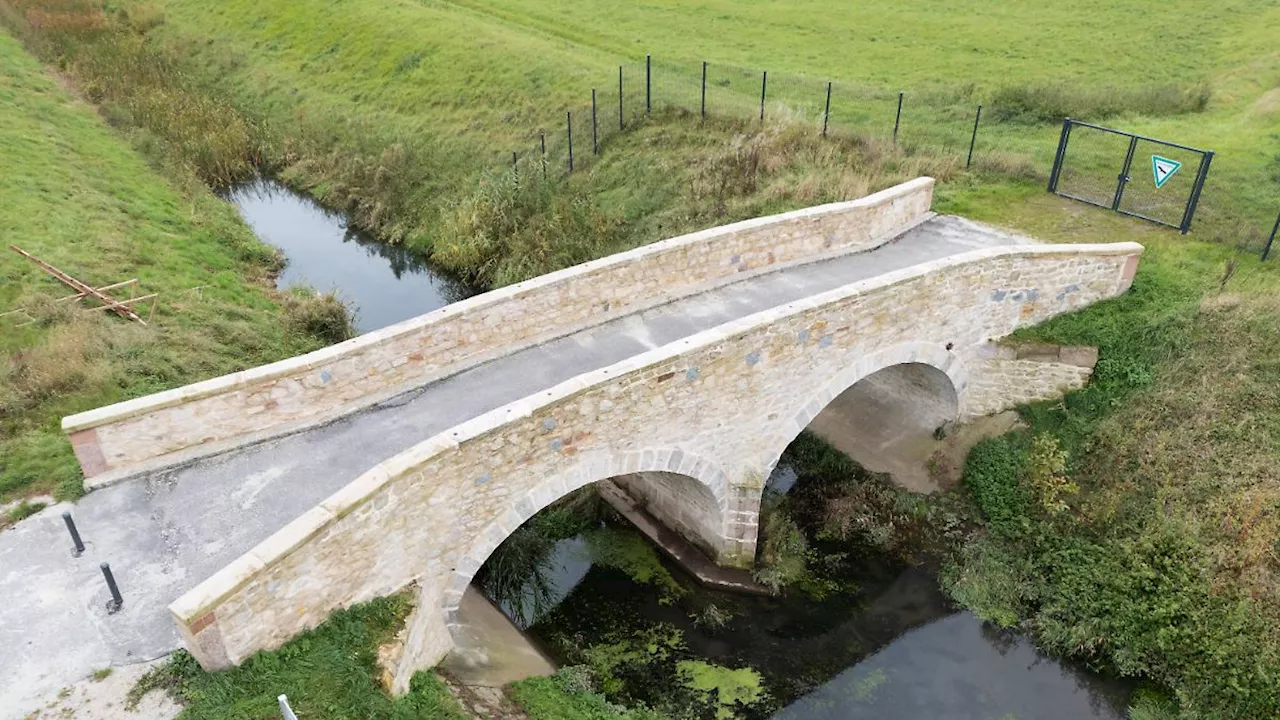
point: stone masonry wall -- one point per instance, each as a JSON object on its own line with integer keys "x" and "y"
{"x": 1010, "y": 376}
{"x": 218, "y": 414}
{"x": 719, "y": 407}
{"x": 681, "y": 504}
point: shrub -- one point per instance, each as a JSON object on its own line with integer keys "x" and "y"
{"x": 321, "y": 315}
{"x": 991, "y": 473}
{"x": 711, "y": 617}
{"x": 1045, "y": 102}
{"x": 1046, "y": 474}
{"x": 785, "y": 554}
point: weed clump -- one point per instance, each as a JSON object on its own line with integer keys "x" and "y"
{"x": 1051, "y": 102}
{"x": 319, "y": 315}
{"x": 23, "y": 510}
{"x": 508, "y": 231}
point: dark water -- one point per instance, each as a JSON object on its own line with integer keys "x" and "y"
{"x": 382, "y": 283}
{"x": 890, "y": 647}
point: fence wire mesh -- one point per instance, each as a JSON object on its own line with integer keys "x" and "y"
{"x": 1165, "y": 203}
{"x": 938, "y": 121}
{"x": 1092, "y": 164}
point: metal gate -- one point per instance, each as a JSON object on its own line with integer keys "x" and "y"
{"x": 1158, "y": 181}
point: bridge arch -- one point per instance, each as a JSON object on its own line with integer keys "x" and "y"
{"x": 929, "y": 354}
{"x": 699, "y": 471}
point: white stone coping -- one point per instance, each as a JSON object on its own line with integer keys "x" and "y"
{"x": 305, "y": 363}
{"x": 194, "y": 604}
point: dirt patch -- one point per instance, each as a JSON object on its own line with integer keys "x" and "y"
{"x": 103, "y": 698}
{"x": 946, "y": 462}
{"x": 489, "y": 703}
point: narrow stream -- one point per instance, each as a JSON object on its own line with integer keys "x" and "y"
{"x": 382, "y": 283}
{"x": 886, "y": 645}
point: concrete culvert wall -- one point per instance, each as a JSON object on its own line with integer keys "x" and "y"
{"x": 681, "y": 504}
{"x": 887, "y": 420}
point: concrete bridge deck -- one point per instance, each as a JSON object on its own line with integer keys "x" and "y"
{"x": 166, "y": 532}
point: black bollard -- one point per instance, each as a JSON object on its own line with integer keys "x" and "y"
{"x": 116, "y": 602}
{"x": 75, "y": 535}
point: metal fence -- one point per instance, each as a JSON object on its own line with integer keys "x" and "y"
{"x": 943, "y": 121}
{"x": 1088, "y": 157}
{"x": 1147, "y": 178}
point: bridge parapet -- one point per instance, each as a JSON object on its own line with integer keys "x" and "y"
{"x": 719, "y": 407}
{"x": 213, "y": 416}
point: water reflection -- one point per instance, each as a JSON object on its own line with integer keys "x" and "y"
{"x": 383, "y": 283}
{"x": 900, "y": 651}
{"x": 959, "y": 667}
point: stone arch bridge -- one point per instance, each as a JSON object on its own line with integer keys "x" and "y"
{"x": 697, "y": 360}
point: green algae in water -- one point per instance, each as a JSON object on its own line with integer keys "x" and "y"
{"x": 863, "y": 634}
{"x": 732, "y": 688}
{"x": 626, "y": 550}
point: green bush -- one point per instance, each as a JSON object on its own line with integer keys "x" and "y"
{"x": 1045, "y": 103}
{"x": 1146, "y": 604}
{"x": 785, "y": 553}
{"x": 992, "y": 475}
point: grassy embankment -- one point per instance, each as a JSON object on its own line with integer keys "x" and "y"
{"x": 1165, "y": 563}
{"x": 330, "y": 672}
{"x": 79, "y": 197}
{"x": 1166, "y": 557}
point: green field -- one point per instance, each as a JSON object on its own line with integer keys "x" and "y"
{"x": 1165, "y": 566}
{"x": 461, "y": 85}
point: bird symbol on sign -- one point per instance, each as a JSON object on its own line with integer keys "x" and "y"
{"x": 1163, "y": 168}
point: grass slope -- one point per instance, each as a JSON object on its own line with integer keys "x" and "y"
{"x": 76, "y": 195}
{"x": 328, "y": 673}
{"x": 1165, "y": 566}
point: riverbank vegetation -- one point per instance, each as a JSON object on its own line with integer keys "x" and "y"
{"x": 330, "y": 672}
{"x": 1163, "y": 564}
{"x": 79, "y": 197}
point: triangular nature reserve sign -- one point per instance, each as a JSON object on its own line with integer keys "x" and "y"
{"x": 1163, "y": 168}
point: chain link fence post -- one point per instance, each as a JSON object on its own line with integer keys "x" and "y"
{"x": 897, "y": 119}
{"x": 826, "y": 114}
{"x": 648, "y": 87}
{"x": 974, "y": 139}
{"x": 568, "y": 120}
{"x": 704, "y": 89}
